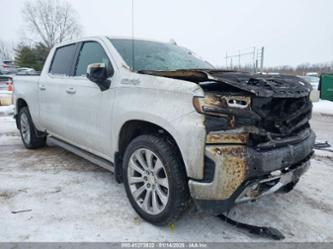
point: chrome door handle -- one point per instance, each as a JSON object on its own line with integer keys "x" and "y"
{"x": 71, "y": 90}
{"x": 42, "y": 87}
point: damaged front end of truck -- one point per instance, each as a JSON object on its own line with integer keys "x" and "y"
{"x": 259, "y": 140}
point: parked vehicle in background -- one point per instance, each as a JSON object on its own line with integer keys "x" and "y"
{"x": 7, "y": 67}
{"x": 272, "y": 73}
{"x": 312, "y": 79}
{"x": 6, "y": 89}
{"x": 312, "y": 74}
{"x": 26, "y": 71}
{"x": 172, "y": 128}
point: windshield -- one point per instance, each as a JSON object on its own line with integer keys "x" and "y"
{"x": 149, "y": 55}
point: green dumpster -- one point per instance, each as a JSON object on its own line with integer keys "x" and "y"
{"x": 326, "y": 86}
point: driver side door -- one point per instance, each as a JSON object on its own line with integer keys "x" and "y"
{"x": 85, "y": 102}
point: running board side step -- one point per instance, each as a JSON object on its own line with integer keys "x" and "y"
{"x": 82, "y": 153}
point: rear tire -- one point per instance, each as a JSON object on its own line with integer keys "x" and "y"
{"x": 28, "y": 131}
{"x": 155, "y": 180}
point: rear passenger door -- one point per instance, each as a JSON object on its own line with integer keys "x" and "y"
{"x": 52, "y": 90}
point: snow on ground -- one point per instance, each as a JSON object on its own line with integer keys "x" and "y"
{"x": 6, "y": 110}
{"x": 70, "y": 199}
{"x": 322, "y": 125}
{"x": 323, "y": 107}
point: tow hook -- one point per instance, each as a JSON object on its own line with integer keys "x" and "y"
{"x": 267, "y": 232}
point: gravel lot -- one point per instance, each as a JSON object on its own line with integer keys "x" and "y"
{"x": 69, "y": 199}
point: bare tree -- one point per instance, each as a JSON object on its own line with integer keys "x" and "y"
{"x": 6, "y": 50}
{"x": 53, "y": 21}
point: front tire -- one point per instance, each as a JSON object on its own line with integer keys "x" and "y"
{"x": 28, "y": 131}
{"x": 155, "y": 180}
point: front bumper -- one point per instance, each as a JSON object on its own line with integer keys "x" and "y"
{"x": 241, "y": 173}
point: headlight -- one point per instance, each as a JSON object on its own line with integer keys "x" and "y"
{"x": 220, "y": 105}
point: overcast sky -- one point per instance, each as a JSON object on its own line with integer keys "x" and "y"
{"x": 292, "y": 31}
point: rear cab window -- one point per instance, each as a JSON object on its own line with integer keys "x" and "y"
{"x": 62, "y": 60}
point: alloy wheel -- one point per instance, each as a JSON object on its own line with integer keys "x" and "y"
{"x": 25, "y": 128}
{"x": 148, "y": 181}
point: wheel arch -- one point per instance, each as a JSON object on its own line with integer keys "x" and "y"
{"x": 134, "y": 128}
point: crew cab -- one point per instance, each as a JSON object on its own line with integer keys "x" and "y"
{"x": 175, "y": 130}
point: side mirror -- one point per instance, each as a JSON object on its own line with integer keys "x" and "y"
{"x": 98, "y": 73}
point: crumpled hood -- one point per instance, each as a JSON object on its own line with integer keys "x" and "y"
{"x": 279, "y": 86}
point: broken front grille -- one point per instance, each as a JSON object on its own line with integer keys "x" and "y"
{"x": 281, "y": 118}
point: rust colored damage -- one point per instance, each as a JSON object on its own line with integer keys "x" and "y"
{"x": 232, "y": 168}
{"x": 189, "y": 75}
{"x": 233, "y": 102}
{"x": 227, "y": 138}
{"x": 230, "y": 172}
{"x": 232, "y": 121}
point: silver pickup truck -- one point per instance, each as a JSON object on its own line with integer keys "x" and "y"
{"x": 175, "y": 130}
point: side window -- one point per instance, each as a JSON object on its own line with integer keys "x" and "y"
{"x": 91, "y": 52}
{"x": 62, "y": 60}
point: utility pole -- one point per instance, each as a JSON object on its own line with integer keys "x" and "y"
{"x": 239, "y": 59}
{"x": 262, "y": 60}
{"x": 257, "y": 64}
{"x": 254, "y": 60}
